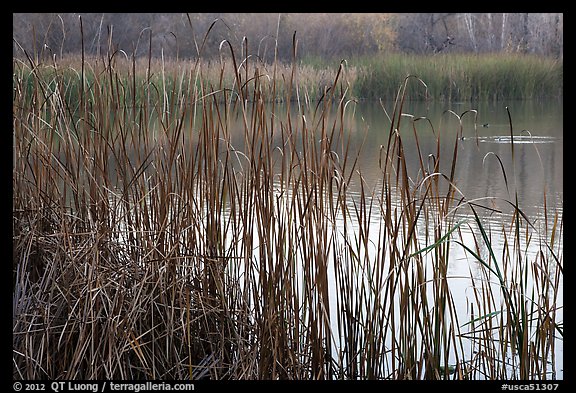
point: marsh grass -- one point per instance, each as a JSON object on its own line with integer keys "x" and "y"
{"x": 151, "y": 240}
{"x": 461, "y": 77}
{"x": 450, "y": 77}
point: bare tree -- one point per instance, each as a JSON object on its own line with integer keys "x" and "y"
{"x": 269, "y": 35}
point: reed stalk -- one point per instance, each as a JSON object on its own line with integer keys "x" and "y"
{"x": 172, "y": 226}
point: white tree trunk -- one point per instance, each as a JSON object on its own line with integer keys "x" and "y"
{"x": 503, "y": 31}
{"x": 469, "y": 22}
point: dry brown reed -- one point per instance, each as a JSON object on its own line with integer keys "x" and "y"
{"x": 152, "y": 240}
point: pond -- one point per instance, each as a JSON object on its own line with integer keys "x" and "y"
{"x": 537, "y": 129}
{"x": 484, "y": 168}
{"x": 302, "y": 240}
{"x": 490, "y": 169}
{"x": 509, "y": 159}
{"x": 452, "y": 267}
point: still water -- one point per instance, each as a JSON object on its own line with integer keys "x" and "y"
{"x": 506, "y": 152}
{"x": 537, "y": 133}
{"x": 509, "y": 154}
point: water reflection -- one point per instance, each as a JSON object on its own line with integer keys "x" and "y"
{"x": 490, "y": 170}
{"x": 499, "y": 165}
{"x": 484, "y": 156}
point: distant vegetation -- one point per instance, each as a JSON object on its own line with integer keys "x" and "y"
{"x": 461, "y": 57}
{"x": 449, "y": 77}
{"x": 269, "y": 35}
{"x": 461, "y": 77}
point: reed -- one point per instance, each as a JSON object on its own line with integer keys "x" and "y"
{"x": 154, "y": 240}
{"x": 461, "y": 77}
{"x": 450, "y": 77}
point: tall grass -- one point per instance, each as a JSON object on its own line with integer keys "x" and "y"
{"x": 450, "y": 77}
{"x": 461, "y": 77}
{"x": 165, "y": 74}
{"x": 153, "y": 240}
